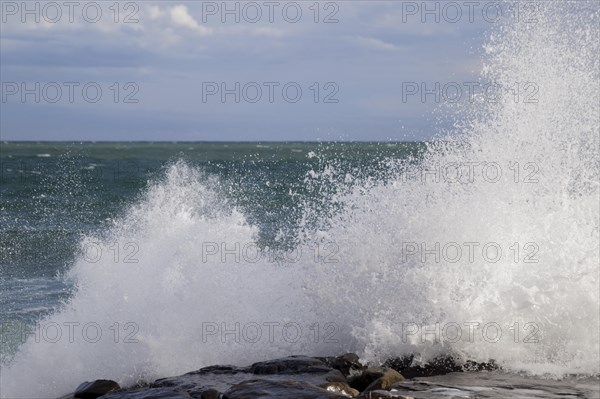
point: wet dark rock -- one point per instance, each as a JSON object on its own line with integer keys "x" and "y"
{"x": 220, "y": 370}
{"x": 408, "y": 368}
{"x": 376, "y": 378}
{"x": 290, "y": 365}
{"x": 494, "y": 386}
{"x": 380, "y": 394}
{"x": 334, "y": 376}
{"x": 209, "y": 381}
{"x": 196, "y": 382}
{"x": 480, "y": 366}
{"x": 302, "y": 377}
{"x": 210, "y": 394}
{"x": 438, "y": 366}
{"x": 149, "y": 393}
{"x": 256, "y": 389}
{"x": 95, "y": 389}
{"x": 411, "y": 387}
{"x": 347, "y": 364}
{"x": 299, "y": 368}
{"x": 341, "y": 388}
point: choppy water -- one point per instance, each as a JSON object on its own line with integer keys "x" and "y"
{"x": 53, "y": 194}
{"x": 484, "y": 244}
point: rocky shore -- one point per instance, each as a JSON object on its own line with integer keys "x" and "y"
{"x": 302, "y": 377}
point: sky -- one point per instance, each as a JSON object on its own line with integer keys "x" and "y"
{"x": 237, "y": 70}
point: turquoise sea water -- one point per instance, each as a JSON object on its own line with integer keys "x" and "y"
{"x": 53, "y": 194}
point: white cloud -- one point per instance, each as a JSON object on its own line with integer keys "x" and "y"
{"x": 261, "y": 31}
{"x": 394, "y": 20}
{"x": 155, "y": 12}
{"x": 375, "y": 43}
{"x": 267, "y": 31}
{"x": 180, "y": 16}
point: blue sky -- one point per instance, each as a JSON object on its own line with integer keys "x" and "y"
{"x": 161, "y": 68}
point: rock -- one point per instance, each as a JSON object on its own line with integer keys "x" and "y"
{"x": 471, "y": 365}
{"x": 256, "y": 389}
{"x": 303, "y": 369}
{"x": 379, "y": 394}
{"x": 208, "y": 382}
{"x": 332, "y": 376}
{"x": 289, "y": 365}
{"x": 340, "y": 387}
{"x": 195, "y": 383}
{"x": 150, "y": 393}
{"x": 220, "y": 370}
{"x": 210, "y": 394}
{"x": 376, "y": 378}
{"x": 95, "y": 389}
{"x": 438, "y": 366}
{"x": 301, "y": 377}
{"x": 412, "y": 387}
{"x": 347, "y": 364}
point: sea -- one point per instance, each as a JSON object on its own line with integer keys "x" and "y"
{"x": 138, "y": 260}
